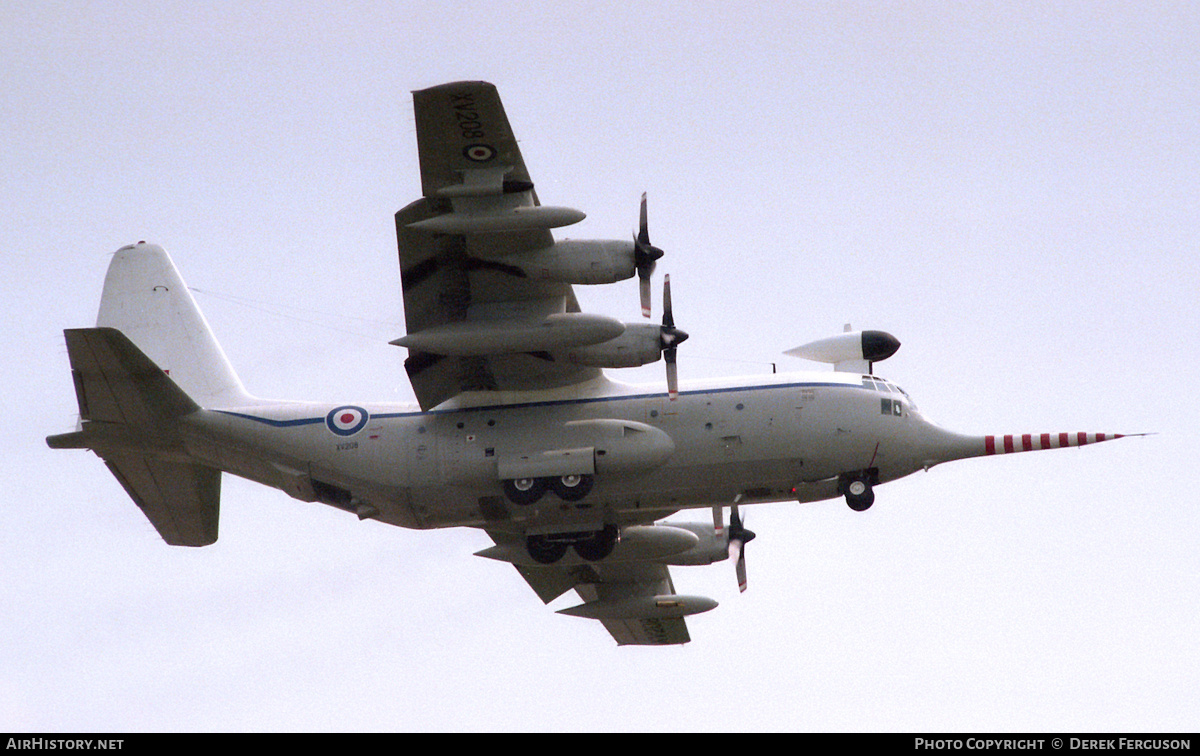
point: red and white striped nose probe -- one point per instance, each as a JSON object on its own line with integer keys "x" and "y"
{"x": 1034, "y": 441}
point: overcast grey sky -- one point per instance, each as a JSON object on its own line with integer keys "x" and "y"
{"x": 1011, "y": 189}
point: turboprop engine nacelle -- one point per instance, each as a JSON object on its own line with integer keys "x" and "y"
{"x": 712, "y": 545}
{"x": 577, "y": 262}
{"x": 640, "y": 344}
{"x": 850, "y": 352}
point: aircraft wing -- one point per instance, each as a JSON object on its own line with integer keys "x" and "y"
{"x": 478, "y": 209}
{"x": 620, "y": 585}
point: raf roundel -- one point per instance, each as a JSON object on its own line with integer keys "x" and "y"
{"x": 479, "y": 153}
{"x": 347, "y": 420}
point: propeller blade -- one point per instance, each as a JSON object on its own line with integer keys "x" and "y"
{"x": 672, "y": 375}
{"x": 670, "y": 338}
{"x": 741, "y": 571}
{"x": 735, "y": 524}
{"x": 735, "y": 550}
{"x": 668, "y": 313}
{"x": 645, "y": 255}
{"x": 739, "y": 536}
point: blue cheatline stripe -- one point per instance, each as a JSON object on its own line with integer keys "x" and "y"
{"x": 551, "y": 403}
{"x": 274, "y": 423}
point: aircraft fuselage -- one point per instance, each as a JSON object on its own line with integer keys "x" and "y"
{"x": 785, "y": 437}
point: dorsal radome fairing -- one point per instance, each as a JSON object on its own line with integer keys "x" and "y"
{"x": 878, "y": 345}
{"x": 850, "y": 352}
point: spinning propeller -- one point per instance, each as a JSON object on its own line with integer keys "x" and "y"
{"x": 670, "y": 338}
{"x": 645, "y": 255}
{"x": 738, "y": 537}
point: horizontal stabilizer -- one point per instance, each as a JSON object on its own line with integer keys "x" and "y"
{"x": 116, "y": 383}
{"x": 130, "y": 409}
{"x": 182, "y": 500}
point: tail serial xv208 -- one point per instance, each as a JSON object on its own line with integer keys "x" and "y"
{"x": 518, "y": 432}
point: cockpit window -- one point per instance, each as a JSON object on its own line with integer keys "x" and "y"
{"x": 880, "y": 384}
{"x": 911, "y": 403}
{"x": 889, "y": 406}
{"x": 874, "y": 383}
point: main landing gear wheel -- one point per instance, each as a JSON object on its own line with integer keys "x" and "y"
{"x": 599, "y": 545}
{"x": 545, "y": 551}
{"x": 525, "y": 491}
{"x": 572, "y": 487}
{"x": 859, "y": 494}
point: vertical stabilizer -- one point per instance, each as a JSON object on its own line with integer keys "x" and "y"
{"x": 146, "y": 299}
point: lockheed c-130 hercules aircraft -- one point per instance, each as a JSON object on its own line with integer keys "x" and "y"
{"x": 518, "y": 430}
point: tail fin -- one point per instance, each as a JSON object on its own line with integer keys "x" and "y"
{"x": 151, "y": 361}
{"x": 146, "y": 299}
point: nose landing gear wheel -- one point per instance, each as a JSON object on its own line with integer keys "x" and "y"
{"x": 525, "y": 491}
{"x": 572, "y": 487}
